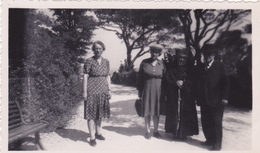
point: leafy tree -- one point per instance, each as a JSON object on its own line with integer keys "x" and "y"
{"x": 236, "y": 53}
{"x": 76, "y": 28}
{"x": 248, "y": 28}
{"x": 137, "y": 28}
{"x": 202, "y": 26}
{"x": 54, "y": 85}
{"x": 232, "y": 48}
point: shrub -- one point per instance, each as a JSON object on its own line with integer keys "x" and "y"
{"x": 53, "y": 89}
{"x": 125, "y": 77}
{"x": 56, "y": 87}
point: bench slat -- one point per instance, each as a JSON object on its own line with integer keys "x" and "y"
{"x": 14, "y": 116}
{"x": 16, "y": 111}
{"x": 17, "y": 129}
{"x": 15, "y": 121}
{"x": 25, "y": 130}
{"x": 12, "y": 107}
{"x": 11, "y": 102}
{"x": 10, "y": 127}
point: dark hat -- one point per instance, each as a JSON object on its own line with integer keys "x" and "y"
{"x": 209, "y": 49}
{"x": 156, "y": 47}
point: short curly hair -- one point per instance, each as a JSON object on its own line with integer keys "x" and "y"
{"x": 100, "y": 43}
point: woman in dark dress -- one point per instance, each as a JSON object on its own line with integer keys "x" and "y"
{"x": 96, "y": 92}
{"x": 150, "y": 76}
{"x": 181, "y": 115}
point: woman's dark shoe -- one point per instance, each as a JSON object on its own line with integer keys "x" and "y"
{"x": 147, "y": 135}
{"x": 93, "y": 142}
{"x": 157, "y": 135}
{"x": 99, "y": 136}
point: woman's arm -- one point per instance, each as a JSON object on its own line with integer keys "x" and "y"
{"x": 109, "y": 82}
{"x": 85, "y": 83}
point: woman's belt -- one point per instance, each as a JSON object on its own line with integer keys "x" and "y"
{"x": 155, "y": 77}
{"x": 94, "y": 76}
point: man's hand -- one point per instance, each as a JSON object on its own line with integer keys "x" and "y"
{"x": 179, "y": 83}
{"x": 224, "y": 102}
{"x": 109, "y": 94}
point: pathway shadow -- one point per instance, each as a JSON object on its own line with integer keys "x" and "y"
{"x": 123, "y": 114}
{"x": 73, "y": 134}
{"x": 27, "y": 144}
{"x": 133, "y": 131}
{"x": 128, "y": 131}
{"x": 125, "y": 120}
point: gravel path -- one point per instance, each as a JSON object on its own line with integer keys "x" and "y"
{"x": 124, "y": 131}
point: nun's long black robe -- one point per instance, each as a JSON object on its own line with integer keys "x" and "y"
{"x": 180, "y": 122}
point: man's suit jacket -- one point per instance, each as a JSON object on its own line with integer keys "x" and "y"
{"x": 213, "y": 85}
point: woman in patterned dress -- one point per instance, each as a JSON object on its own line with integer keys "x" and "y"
{"x": 96, "y": 91}
{"x": 150, "y": 76}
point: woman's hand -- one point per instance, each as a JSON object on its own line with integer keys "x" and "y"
{"x": 109, "y": 94}
{"x": 179, "y": 83}
{"x": 139, "y": 94}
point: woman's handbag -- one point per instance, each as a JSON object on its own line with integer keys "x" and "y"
{"x": 139, "y": 108}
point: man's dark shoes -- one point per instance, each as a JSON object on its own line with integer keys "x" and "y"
{"x": 99, "y": 136}
{"x": 184, "y": 138}
{"x": 207, "y": 143}
{"x": 93, "y": 142}
{"x": 214, "y": 148}
{"x": 157, "y": 135}
{"x": 176, "y": 138}
{"x": 147, "y": 135}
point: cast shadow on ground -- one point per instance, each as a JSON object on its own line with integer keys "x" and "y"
{"x": 123, "y": 112}
{"x": 125, "y": 120}
{"x": 73, "y": 134}
{"x": 26, "y": 144}
{"x": 133, "y": 131}
{"x": 128, "y": 131}
{"x": 236, "y": 121}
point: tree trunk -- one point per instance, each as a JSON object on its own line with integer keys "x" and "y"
{"x": 198, "y": 56}
{"x": 129, "y": 60}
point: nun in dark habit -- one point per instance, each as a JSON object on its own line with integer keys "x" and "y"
{"x": 181, "y": 115}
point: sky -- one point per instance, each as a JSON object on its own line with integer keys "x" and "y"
{"x": 115, "y": 48}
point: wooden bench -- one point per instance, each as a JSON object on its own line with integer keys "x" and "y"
{"x": 19, "y": 130}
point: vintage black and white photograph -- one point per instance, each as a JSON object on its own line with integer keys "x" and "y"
{"x": 130, "y": 79}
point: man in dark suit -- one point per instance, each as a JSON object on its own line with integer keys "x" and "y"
{"x": 212, "y": 97}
